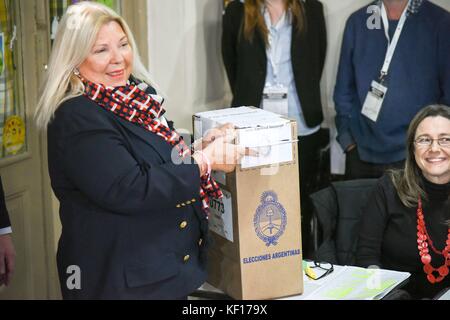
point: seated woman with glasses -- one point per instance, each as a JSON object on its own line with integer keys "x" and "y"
{"x": 406, "y": 224}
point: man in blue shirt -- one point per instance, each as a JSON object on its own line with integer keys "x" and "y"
{"x": 372, "y": 131}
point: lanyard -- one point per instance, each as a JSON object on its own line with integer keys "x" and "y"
{"x": 392, "y": 45}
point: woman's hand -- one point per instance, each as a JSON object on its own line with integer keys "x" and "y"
{"x": 221, "y": 155}
{"x": 226, "y": 131}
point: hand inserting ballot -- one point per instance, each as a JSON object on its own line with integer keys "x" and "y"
{"x": 221, "y": 155}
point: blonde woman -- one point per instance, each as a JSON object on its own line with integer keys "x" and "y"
{"x": 133, "y": 200}
{"x": 273, "y": 49}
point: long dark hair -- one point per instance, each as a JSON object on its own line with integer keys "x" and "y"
{"x": 407, "y": 181}
{"x": 254, "y": 20}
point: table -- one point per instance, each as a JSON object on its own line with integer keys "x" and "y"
{"x": 344, "y": 283}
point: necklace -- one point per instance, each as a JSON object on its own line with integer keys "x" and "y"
{"x": 424, "y": 243}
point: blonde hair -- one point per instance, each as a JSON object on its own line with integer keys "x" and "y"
{"x": 75, "y": 38}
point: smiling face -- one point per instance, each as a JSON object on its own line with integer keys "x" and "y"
{"x": 110, "y": 61}
{"x": 434, "y": 160}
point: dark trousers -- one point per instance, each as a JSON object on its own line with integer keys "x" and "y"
{"x": 355, "y": 168}
{"x": 312, "y": 166}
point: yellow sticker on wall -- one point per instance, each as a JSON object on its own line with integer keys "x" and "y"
{"x": 13, "y": 135}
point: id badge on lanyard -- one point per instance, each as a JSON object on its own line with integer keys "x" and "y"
{"x": 275, "y": 99}
{"x": 374, "y": 101}
{"x": 377, "y": 91}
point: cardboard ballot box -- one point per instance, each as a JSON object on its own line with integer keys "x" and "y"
{"x": 256, "y": 250}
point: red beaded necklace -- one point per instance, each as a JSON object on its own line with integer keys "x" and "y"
{"x": 424, "y": 241}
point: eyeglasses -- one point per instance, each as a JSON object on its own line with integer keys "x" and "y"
{"x": 427, "y": 142}
{"x": 325, "y": 266}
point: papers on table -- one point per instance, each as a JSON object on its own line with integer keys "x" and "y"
{"x": 352, "y": 283}
{"x": 445, "y": 295}
{"x": 347, "y": 283}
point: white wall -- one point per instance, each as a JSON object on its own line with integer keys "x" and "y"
{"x": 184, "y": 50}
{"x": 185, "y": 59}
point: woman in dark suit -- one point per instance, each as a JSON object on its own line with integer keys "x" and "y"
{"x": 133, "y": 199}
{"x": 279, "y": 46}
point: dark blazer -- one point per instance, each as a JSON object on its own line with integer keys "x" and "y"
{"x": 4, "y": 217}
{"x": 131, "y": 218}
{"x": 246, "y": 62}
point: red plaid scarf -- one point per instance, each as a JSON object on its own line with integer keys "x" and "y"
{"x": 135, "y": 105}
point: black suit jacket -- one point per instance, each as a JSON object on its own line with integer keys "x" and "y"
{"x": 4, "y": 218}
{"x": 122, "y": 207}
{"x": 246, "y": 62}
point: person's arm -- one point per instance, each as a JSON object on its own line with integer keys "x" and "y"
{"x": 345, "y": 93}
{"x": 373, "y": 222}
{"x": 7, "y": 259}
{"x": 444, "y": 60}
{"x": 97, "y": 161}
{"x": 7, "y": 252}
{"x": 322, "y": 33}
{"x": 230, "y": 33}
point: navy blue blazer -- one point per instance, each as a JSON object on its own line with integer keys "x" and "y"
{"x": 131, "y": 218}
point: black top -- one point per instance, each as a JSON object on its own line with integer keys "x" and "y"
{"x": 246, "y": 61}
{"x": 4, "y": 218}
{"x": 388, "y": 234}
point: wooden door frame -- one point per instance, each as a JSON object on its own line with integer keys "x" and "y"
{"x": 37, "y": 13}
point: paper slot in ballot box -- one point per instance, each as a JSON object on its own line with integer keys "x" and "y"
{"x": 255, "y": 228}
